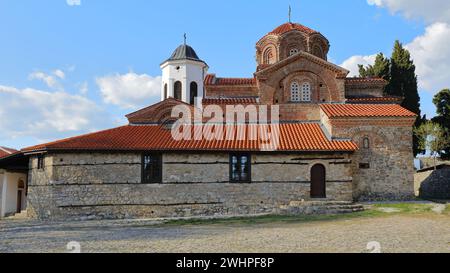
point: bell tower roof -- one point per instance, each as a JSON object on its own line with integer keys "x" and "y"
{"x": 184, "y": 52}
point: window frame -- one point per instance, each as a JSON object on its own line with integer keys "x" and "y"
{"x": 153, "y": 180}
{"x": 366, "y": 143}
{"x": 248, "y": 165}
{"x": 298, "y": 91}
{"x": 41, "y": 162}
{"x": 303, "y": 92}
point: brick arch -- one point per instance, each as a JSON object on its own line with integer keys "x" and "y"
{"x": 302, "y": 76}
{"x": 292, "y": 40}
{"x": 328, "y": 77}
{"x": 376, "y": 137}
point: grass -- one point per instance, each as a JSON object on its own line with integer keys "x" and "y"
{"x": 375, "y": 211}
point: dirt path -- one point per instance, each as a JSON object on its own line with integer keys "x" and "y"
{"x": 395, "y": 233}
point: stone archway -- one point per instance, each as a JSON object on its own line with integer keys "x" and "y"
{"x": 318, "y": 181}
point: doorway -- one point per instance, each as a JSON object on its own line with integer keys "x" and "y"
{"x": 318, "y": 181}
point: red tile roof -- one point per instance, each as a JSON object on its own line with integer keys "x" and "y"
{"x": 292, "y": 26}
{"x": 391, "y": 99}
{"x": 211, "y": 79}
{"x": 365, "y": 110}
{"x": 229, "y": 101}
{"x": 4, "y": 152}
{"x": 365, "y": 80}
{"x": 293, "y": 137}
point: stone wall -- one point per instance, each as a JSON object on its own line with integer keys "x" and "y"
{"x": 388, "y": 164}
{"x": 433, "y": 184}
{"x": 95, "y": 186}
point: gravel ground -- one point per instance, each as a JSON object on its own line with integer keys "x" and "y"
{"x": 428, "y": 232}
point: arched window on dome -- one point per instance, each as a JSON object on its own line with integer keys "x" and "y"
{"x": 293, "y": 51}
{"x": 194, "y": 92}
{"x": 269, "y": 56}
{"x": 177, "y": 94}
{"x": 306, "y": 92}
{"x": 295, "y": 92}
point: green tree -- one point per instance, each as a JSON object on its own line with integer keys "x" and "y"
{"x": 403, "y": 83}
{"x": 432, "y": 137}
{"x": 442, "y": 102}
{"x": 380, "y": 69}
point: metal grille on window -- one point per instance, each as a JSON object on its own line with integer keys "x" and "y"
{"x": 295, "y": 92}
{"x": 306, "y": 92}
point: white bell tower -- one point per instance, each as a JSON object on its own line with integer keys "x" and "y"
{"x": 183, "y": 75}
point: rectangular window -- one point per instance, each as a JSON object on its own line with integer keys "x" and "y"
{"x": 40, "y": 162}
{"x": 364, "y": 166}
{"x": 151, "y": 168}
{"x": 240, "y": 168}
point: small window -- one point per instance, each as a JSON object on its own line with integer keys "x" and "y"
{"x": 165, "y": 91}
{"x": 293, "y": 51}
{"x": 177, "y": 90}
{"x": 306, "y": 92}
{"x": 194, "y": 92}
{"x": 366, "y": 143}
{"x": 364, "y": 165}
{"x": 269, "y": 56}
{"x": 295, "y": 92}
{"x": 40, "y": 162}
{"x": 151, "y": 168}
{"x": 240, "y": 168}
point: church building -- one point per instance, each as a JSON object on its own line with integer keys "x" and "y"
{"x": 340, "y": 139}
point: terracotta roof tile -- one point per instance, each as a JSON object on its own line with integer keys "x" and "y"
{"x": 211, "y": 79}
{"x": 390, "y": 99}
{"x": 229, "y": 101}
{"x": 4, "y": 152}
{"x": 292, "y": 26}
{"x": 293, "y": 137}
{"x": 365, "y": 80}
{"x": 365, "y": 110}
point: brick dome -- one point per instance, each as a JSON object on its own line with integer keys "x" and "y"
{"x": 287, "y": 27}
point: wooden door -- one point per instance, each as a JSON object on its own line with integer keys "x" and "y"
{"x": 318, "y": 181}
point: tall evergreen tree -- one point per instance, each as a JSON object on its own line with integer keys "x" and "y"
{"x": 442, "y": 102}
{"x": 403, "y": 83}
{"x": 380, "y": 69}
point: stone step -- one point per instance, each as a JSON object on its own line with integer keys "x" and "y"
{"x": 320, "y": 207}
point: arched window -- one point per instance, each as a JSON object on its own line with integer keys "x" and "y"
{"x": 165, "y": 91}
{"x": 177, "y": 90}
{"x": 306, "y": 92}
{"x": 295, "y": 92}
{"x": 194, "y": 92}
{"x": 293, "y": 51}
{"x": 366, "y": 143}
{"x": 269, "y": 56}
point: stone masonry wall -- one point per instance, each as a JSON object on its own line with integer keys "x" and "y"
{"x": 100, "y": 185}
{"x": 388, "y": 173}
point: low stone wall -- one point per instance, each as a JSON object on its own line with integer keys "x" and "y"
{"x": 433, "y": 184}
{"x": 108, "y": 186}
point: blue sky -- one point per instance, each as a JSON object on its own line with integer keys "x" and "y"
{"x": 61, "y": 65}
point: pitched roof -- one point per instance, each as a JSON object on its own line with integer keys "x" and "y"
{"x": 293, "y": 137}
{"x": 365, "y": 80}
{"x": 229, "y": 101}
{"x": 365, "y": 100}
{"x": 365, "y": 110}
{"x": 211, "y": 79}
{"x": 284, "y": 28}
{"x": 4, "y": 152}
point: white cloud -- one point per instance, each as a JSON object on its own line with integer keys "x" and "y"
{"x": 46, "y": 115}
{"x": 129, "y": 90}
{"x": 49, "y": 80}
{"x": 73, "y": 2}
{"x": 431, "y": 11}
{"x": 83, "y": 88}
{"x": 430, "y": 51}
{"x": 351, "y": 63}
{"x": 59, "y": 73}
{"x": 431, "y": 55}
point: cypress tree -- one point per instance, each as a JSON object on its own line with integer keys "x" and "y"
{"x": 380, "y": 69}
